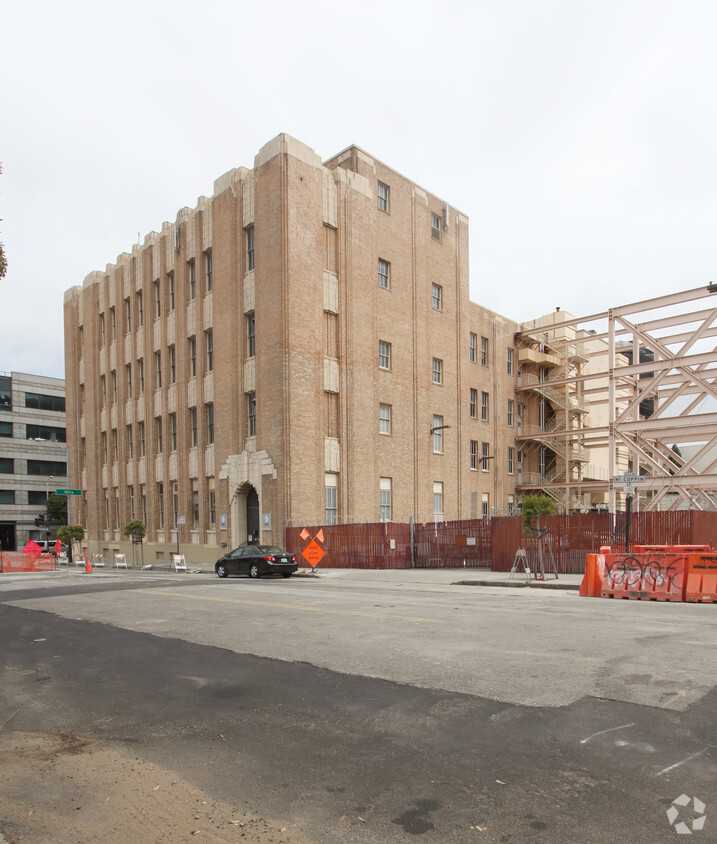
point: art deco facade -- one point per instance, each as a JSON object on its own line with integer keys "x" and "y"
{"x": 300, "y": 347}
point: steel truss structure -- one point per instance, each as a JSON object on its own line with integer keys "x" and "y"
{"x": 648, "y": 374}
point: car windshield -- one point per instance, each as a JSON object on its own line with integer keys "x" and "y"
{"x": 270, "y": 549}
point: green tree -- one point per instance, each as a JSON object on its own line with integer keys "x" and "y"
{"x": 71, "y": 533}
{"x": 137, "y": 530}
{"x": 534, "y": 506}
{"x": 56, "y": 506}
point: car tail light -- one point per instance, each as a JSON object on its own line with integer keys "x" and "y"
{"x": 270, "y": 559}
{"x": 293, "y": 558}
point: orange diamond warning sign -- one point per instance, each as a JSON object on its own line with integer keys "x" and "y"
{"x": 313, "y": 553}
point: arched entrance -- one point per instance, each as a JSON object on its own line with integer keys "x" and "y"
{"x": 245, "y": 515}
{"x": 252, "y": 516}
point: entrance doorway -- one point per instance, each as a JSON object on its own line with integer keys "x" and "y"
{"x": 7, "y": 536}
{"x": 252, "y": 515}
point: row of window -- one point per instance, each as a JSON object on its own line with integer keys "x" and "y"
{"x": 138, "y": 447}
{"x": 34, "y": 497}
{"x": 385, "y": 500}
{"x": 36, "y": 432}
{"x": 139, "y": 509}
{"x": 384, "y": 358}
{"x": 12, "y": 466}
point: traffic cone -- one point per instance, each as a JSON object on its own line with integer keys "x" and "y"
{"x": 88, "y": 567}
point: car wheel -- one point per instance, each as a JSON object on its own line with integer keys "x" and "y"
{"x": 222, "y": 570}
{"x": 254, "y": 570}
{"x": 286, "y": 574}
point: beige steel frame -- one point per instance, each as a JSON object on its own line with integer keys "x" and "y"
{"x": 682, "y": 382}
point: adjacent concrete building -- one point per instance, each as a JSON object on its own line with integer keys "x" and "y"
{"x": 33, "y": 453}
{"x": 300, "y": 347}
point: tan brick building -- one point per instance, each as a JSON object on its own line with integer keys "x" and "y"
{"x": 300, "y": 347}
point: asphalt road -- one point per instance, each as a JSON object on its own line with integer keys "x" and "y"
{"x": 382, "y": 706}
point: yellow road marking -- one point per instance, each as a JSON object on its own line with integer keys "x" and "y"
{"x": 282, "y": 606}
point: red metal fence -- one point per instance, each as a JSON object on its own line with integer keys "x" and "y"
{"x": 492, "y": 543}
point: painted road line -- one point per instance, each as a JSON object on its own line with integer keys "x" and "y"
{"x": 283, "y": 606}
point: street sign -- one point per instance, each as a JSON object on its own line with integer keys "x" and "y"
{"x": 629, "y": 478}
{"x": 68, "y": 492}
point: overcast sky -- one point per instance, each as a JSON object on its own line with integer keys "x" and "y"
{"x": 579, "y": 136}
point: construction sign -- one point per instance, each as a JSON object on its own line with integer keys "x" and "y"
{"x": 313, "y": 553}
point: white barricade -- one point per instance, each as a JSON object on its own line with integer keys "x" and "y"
{"x": 120, "y": 561}
{"x": 98, "y": 560}
{"x": 180, "y": 564}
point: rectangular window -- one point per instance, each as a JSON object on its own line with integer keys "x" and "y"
{"x": 212, "y": 508}
{"x": 170, "y": 290}
{"x": 140, "y": 375}
{"x": 130, "y": 446}
{"x": 103, "y": 391}
{"x": 142, "y": 450}
{"x": 172, "y": 365}
{"x": 195, "y": 508}
{"x": 115, "y": 446}
{"x": 438, "y": 500}
{"x": 511, "y": 405}
{"x": 511, "y": 460}
{"x": 250, "y": 335}
{"x": 7, "y": 496}
{"x": 485, "y": 505}
{"x": 484, "y": 407}
{"x": 39, "y": 401}
{"x": 45, "y": 432}
{"x": 140, "y": 309}
{"x": 474, "y": 403}
{"x": 384, "y": 355}
{"x": 7, "y": 466}
{"x": 127, "y": 316}
{"x": 5, "y": 429}
{"x": 210, "y": 424}
{"x": 128, "y": 379}
{"x": 384, "y": 418}
{"x": 384, "y": 277}
{"x": 485, "y": 456}
{"x": 37, "y": 497}
{"x": 511, "y": 505}
{"x": 473, "y": 348}
{"x": 113, "y": 381}
{"x": 130, "y": 496}
{"x": 160, "y": 499}
{"x": 250, "y": 249}
{"x": 435, "y": 227}
{"x": 437, "y": 297}
{"x": 157, "y": 300}
{"x": 158, "y": 430}
{"x": 251, "y": 414}
{"x": 104, "y": 446}
{"x": 510, "y": 361}
{"x": 193, "y": 425}
{"x": 143, "y": 499}
{"x": 484, "y": 351}
{"x": 47, "y": 467}
{"x": 102, "y": 330}
{"x": 158, "y": 369}
{"x": 437, "y": 431}
{"x": 384, "y": 500}
{"x": 113, "y": 324}
{"x": 330, "y": 499}
{"x": 474, "y": 454}
{"x": 210, "y": 351}
{"x": 192, "y": 357}
{"x": 208, "y": 269}
{"x": 384, "y": 194}
{"x": 173, "y": 430}
{"x": 192, "y": 277}
{"x": 437, "y": 371}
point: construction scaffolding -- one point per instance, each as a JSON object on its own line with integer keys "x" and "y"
{"x": 634, "y": 385}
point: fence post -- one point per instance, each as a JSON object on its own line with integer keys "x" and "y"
{"x": 410, "y": 522}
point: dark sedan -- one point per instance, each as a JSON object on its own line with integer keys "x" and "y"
{"x": 257, "y": 560}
